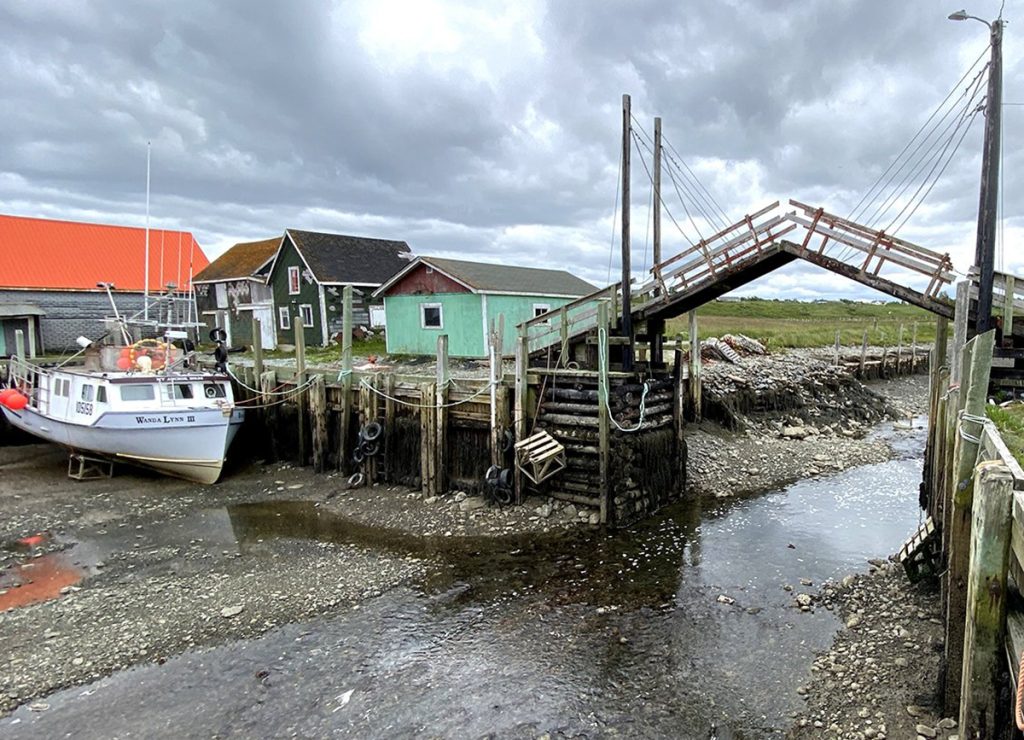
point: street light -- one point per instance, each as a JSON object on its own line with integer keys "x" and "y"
{"x": 984, "y": 250}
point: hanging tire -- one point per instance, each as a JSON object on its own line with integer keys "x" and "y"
{"x": 371, "y": 431}
{"x": 358, "y": 455}
{"x": 492, "y": 474}
{"x": 505, "y": 479}
{"x": 218, "y": 335}
{"x": 508, "y": 440}
{"x": 369, "y": 448}
{"x": 355, "y": 480}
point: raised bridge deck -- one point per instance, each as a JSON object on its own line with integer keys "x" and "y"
{"x": 752, "y": 248}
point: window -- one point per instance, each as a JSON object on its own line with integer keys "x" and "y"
{"x": 60, "y": 387}
{"x": 306, "y": 311}
{"x": 293, "y": 281}
{"x": 101, "y": 394}
{"x": 137, "y": 393}
{"x": 284, "y": 318}
{"x": 87, "y": 392}
{"x": 222, "y": 295}
{"x": 214, "y": 390}
{"x": 178, "y": 391}
{"x": 431, "y": 316}
{"x": 540, "y": 308}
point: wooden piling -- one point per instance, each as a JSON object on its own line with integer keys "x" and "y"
{"x": 300, "y": 378}
{"x": 441, "y": 412}
{"x": 498, "y": 420}
{"x": 268, "y": 382}
{"x": 968, "y": 431}
{"x": 899, "y": 351}
{"x": 983, "y": 661}
{"x": 257, "y": 346}
{"x": 863, "y": 354}
{"x": 603, "y": 430}
{"x": 913, "y": 348}
{"x": 835, "y": 359}
{"x": 389, "y": 427}
{"x": 522, "y": 364}
{"x": 345, "y": 377}
{"x": 696, "y": 401}
{"x": 428, "y": 420}
{"x": 960, "y": 321}
{"x": 318, "y": 416}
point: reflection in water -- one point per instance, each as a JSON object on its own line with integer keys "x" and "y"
{"x": 38, "y": 579}
{"x": 596, "y": 633}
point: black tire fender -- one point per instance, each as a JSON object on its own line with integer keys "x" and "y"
{"x": 371, "y": 431}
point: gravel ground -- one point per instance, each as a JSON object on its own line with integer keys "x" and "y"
{"x": 162, "y": 577}
{"x": 880, "y": 679}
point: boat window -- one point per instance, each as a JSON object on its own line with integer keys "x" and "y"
{"x": 179, "y": 391}
{"x": 137, "y": 392}
{"x": 87, "y": 392}
{"x": 101, "y": 394}
{"x": 58, "y": 387}
{"x": 66, "y": 389}
{"x": 213, "y": 390}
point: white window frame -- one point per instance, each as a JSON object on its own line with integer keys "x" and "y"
{"x": 304, "y": 310}
{"x": 284, "y": 319}
{"x": 545, "y": 307}
{"x": 294, "y": 278}
{"x": 221, "y": 295}
{"x": 423, "y": 317}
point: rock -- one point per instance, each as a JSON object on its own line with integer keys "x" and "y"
{"x": 853, "y": 621}
{"x": 804, "y": 600}
{"x": 295, "y": 486}
{"x": 806, "y": 582}
{"x": 430, "y": 500}
{"x": 472, "y": 504}
{"x": 947, "y": 723}
{"x": 459, "y": 497}
{"x": 915, "y": 711}
{"x": 723, "y": 599}
{"x": 231, "y": 611}
{"x": 595, "y": 518}
{"x": 77, "y": 661}
{"x": 925, "y": 731}
{"x": 38, "y": 706}
{"x": 795, "y": 432}
{"x": 543, "y": 511}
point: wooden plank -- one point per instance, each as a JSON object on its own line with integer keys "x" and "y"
{"x": 863, "y": 354}
{"x": 257, "y": 345}
{"x": 986, "y": 600}
{"x": 694, "y": 380}
{"x": 345, "y": 415}
{"x": 960, "y": 321}
{"x": 427, "y": 439}
{"x": 389, "y": 428}
{"x": 268, "y": 382}
{"x": 1008, "y": 305}
{"x": 520, "y": 401}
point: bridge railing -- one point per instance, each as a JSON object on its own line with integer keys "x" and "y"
{"x": 876, "y": 247}
{"x": 560, "y": 324}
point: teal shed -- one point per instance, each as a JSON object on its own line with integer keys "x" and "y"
{"x": 434, "y": 296}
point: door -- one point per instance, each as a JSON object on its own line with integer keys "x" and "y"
{"x": 268, "y": 331}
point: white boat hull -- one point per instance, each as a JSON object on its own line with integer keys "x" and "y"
{"x": 185, "y": 443}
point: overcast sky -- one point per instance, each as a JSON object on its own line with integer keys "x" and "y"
{"x": 484, "y": 130}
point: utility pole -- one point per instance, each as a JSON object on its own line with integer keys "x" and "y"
{"x": 656, "y": 329}
{"x": 984, "y": 252}
{"x": 145, "y": 277}
{"x": 627, "y": 311}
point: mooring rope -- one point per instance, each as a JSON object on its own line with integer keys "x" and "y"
{"x": 382, "y": 394}
{"x": 974, "y": 419}
{"x": 602, "y": 352}
{"x": 1018, "y": 716}
{"x": 274, "y": 392}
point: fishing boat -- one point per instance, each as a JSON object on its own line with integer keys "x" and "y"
{"x": 144, "y": 403}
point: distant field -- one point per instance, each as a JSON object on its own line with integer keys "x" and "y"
{"x": 802, "y": 324}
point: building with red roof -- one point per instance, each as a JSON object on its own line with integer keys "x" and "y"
{"x": 51, "y": 271}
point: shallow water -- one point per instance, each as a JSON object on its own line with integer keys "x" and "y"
{"x": 603, "y": 634}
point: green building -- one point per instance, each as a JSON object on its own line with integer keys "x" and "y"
{"x": 311, "y": 268}
{"x": 434, "y": 296}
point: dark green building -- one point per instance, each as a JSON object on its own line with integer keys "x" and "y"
{"x": 309, "y": 272}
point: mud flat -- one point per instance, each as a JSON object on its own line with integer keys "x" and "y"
{"x": 139, "y": 569}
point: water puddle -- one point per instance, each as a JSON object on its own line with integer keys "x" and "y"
{"x": 683, "y": 622}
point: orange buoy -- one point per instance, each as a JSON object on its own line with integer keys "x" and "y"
{"x": 5, "y": 394}
{"x": 123, "y": 363}
{"x": 16, "y": 402}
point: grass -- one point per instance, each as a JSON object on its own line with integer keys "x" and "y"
{"x": 1010, "y": 422}
{"x": 780, "y": 324}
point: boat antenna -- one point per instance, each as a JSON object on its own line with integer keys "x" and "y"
{"x": 145, "y": 289}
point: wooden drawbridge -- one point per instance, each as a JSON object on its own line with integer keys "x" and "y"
{"x": 750, "y": 249}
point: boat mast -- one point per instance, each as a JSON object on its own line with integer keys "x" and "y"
{"x": 145, "y": 290}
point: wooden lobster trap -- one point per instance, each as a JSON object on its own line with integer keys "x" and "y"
{"x": 540, "y": 456}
